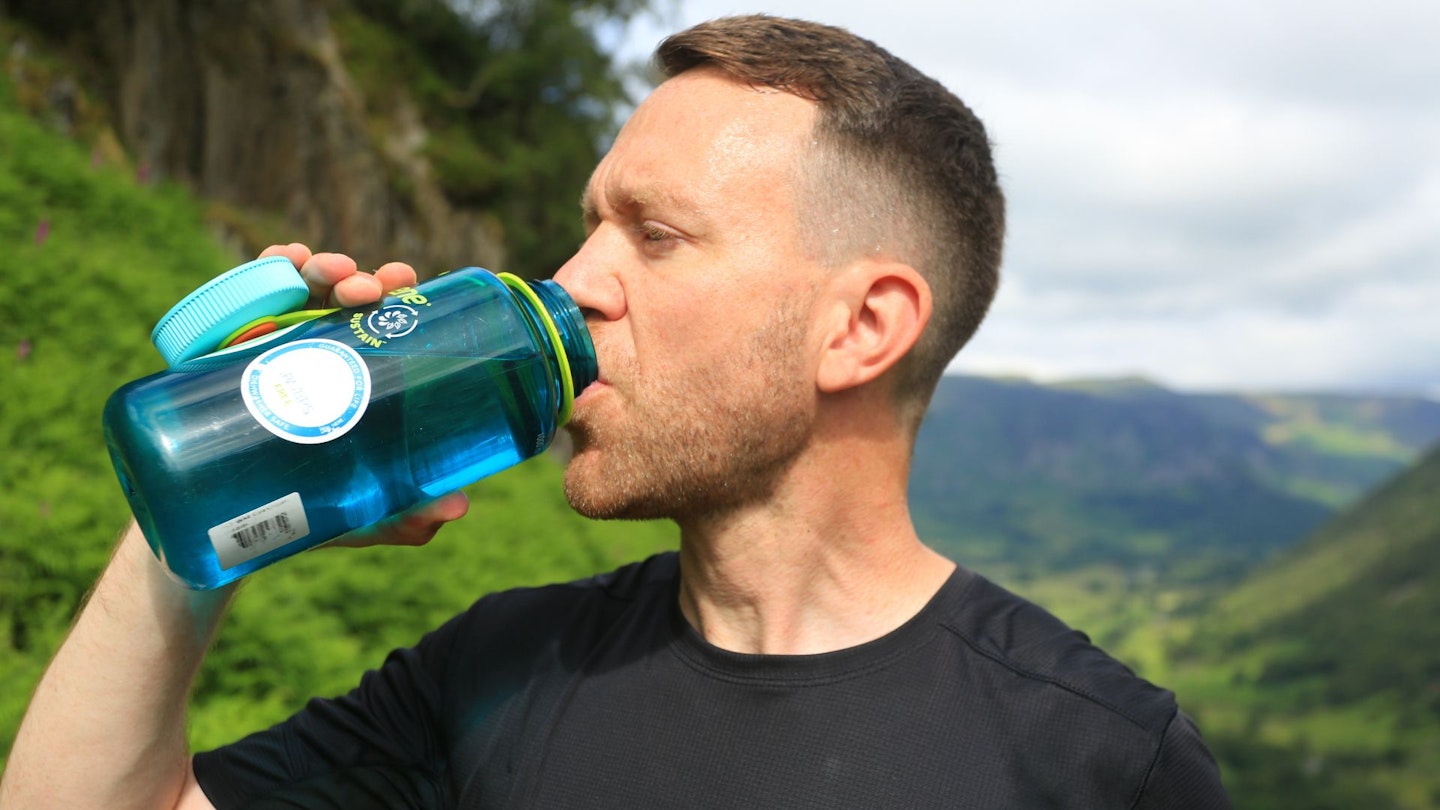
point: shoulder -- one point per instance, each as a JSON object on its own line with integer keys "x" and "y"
{"x": 1069, "y": 703}
{"x": 568, "y": 613}
{"x": 1028, "y": 641}
{"x": 637, "y": 581}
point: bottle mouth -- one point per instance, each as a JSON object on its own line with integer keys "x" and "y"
{"x": 584, "y": 365}
{"x": 574, "y": 351}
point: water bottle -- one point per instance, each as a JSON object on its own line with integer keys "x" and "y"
{"x": 324, "y": 422}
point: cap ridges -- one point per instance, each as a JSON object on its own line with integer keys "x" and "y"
{"x": 197, "y": 324}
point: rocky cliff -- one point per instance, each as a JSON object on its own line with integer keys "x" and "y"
{"x": 252, "y": 106}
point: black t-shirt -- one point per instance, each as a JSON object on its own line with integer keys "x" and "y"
{"x": 599, "y": 694}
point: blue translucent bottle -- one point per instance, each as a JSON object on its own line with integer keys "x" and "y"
{"x": 236, "y": 459}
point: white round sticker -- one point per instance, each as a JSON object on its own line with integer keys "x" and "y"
{"x": 307, "y": 392}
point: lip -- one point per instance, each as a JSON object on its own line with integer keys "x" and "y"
{"x": 598, "y": 384}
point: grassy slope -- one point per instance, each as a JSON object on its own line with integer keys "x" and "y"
{"x": 116, "y": 255}
{"x": 1336, "y": 647}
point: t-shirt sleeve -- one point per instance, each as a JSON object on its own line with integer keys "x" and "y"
{"x": 1184, "y": 775}
{"x": 377, "y": 746}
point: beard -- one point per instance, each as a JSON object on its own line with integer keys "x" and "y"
{"x": 696, "y": 448}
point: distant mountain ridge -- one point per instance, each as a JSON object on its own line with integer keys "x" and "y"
{"x": 1057, "y": 476}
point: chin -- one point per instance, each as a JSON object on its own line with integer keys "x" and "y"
{"x": 600, "y": 495}
{"x": 582, "y": 489}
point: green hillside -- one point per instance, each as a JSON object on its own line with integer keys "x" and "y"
{"x": 92, "y": 258}
{"x": 1384, "y": 554}
{"x": 1334, "y": 646}
{"x": 1047, "y": 478}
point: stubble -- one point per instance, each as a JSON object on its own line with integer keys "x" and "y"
{"x": 690, "y": 448}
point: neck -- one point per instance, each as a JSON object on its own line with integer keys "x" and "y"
{"x": 830, "y": 561}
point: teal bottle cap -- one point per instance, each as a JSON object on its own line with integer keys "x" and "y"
{"x": 205, "y": 317}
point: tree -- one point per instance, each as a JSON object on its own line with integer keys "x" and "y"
{"x": 522, "y": 99}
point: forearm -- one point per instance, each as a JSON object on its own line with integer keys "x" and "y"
{"x": 106, "y": 726}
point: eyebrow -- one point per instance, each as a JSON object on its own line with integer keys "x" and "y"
{"x": 638, "y": 198}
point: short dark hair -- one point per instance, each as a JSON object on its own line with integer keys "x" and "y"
{"x": 906, "y": 167}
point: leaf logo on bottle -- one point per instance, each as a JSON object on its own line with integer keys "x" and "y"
{"x": 391, "y": 321}
{"x": 396, "y": 320}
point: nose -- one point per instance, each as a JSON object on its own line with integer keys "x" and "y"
{"x": 592, "y": 282}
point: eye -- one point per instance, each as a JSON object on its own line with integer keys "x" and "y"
{"x": 651, "y": 232}
{"x": 656, "y": 239}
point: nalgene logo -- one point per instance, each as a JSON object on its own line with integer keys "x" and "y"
{"x": 410, "y": 295}
{"x": 390, "y": 321}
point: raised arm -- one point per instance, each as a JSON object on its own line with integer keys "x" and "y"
{"x": 106, "y": 726}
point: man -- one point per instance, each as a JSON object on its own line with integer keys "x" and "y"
{"x": 789, "y": 240}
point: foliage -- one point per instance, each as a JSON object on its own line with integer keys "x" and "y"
{"x": 1264, "y": 776}
{"x": 519, "y": 97}
{"x": 93, "y": 258}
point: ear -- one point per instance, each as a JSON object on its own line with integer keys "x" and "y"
{"x": 878, "y": 310}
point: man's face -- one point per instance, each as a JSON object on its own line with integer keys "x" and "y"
{"x": 698, "y": 296}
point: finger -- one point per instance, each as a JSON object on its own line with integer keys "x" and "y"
{"x": 394, "y": 275}
{"x": 356, "y": 290}
{"x": 297, "y": 253}
{"x": 415, "y": 527}
{"x": 322, "y": 271}
{"x": 365, "y": 288}
{"x": 446, "y": 508}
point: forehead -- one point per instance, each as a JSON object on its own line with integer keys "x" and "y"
{"x": 701, "y": 138}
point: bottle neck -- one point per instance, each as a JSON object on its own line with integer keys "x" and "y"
{"x": 569, "y": 323}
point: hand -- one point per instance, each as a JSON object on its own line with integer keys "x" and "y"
{"x": 335, "y": 280}
{"x": 413, "y": 527}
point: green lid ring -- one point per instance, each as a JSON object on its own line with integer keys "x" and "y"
{"x": 567, "y": 382}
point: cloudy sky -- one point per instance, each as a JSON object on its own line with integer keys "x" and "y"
{"x": 1219, "y": 196}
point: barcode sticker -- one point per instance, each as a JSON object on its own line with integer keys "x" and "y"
{"x": 267, "y": 528}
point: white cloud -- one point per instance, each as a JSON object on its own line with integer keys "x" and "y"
{"x": 1221, "y": 195}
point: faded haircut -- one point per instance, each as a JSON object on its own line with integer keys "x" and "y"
{"x": 903, "y": 170}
